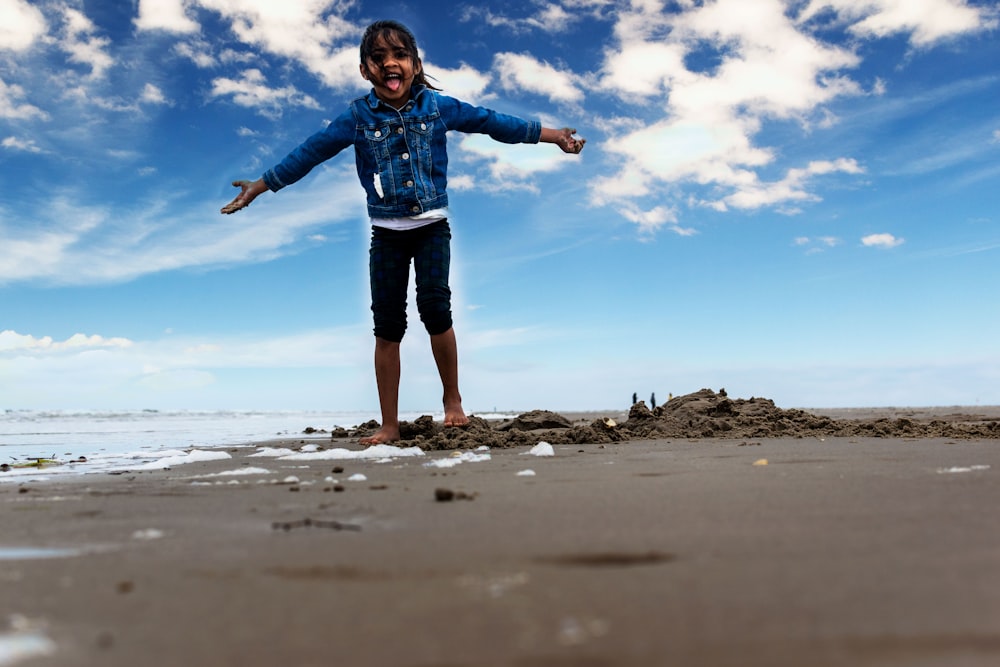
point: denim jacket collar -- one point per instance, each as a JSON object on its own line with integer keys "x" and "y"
{"x": 374, "y": 102}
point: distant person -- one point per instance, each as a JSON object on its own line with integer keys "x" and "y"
{"x": 398, "y": 134}
{"x": 652, "y": 401}
{"x": 635, "y": 398}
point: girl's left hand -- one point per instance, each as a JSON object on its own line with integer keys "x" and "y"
{"x": 568, "y": 143}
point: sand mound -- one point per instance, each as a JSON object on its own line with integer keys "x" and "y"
{"x": 702, "y": 414}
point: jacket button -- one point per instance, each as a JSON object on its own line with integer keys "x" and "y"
{"x": 415, "y": 209}
{"x": 406, "y": 156}
{"x": 409, "y": 184}
{"x": 399, "y": 130}
{"x": 378, "y": 133}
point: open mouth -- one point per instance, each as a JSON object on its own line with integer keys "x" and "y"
{"x": 393, "y": 81}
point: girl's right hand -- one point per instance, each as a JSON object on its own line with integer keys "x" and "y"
{"x": 248, "y": 192}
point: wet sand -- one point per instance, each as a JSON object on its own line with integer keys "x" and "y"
{"x": 663, "y": 551}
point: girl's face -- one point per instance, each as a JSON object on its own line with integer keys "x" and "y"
{"x": 391, "y": 69}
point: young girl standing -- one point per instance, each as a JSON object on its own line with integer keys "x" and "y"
{"x": 398, "y": 134}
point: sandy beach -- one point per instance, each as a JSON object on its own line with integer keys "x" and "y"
{"x": 811, "y": 548}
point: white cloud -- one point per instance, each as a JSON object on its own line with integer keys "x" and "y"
{"x": 996, "y": 136}
{"x": 656, "y": 157}
{"x": 197, "y": 52}
{"x": 461, "y": 182}
{"x": 82, "y": 45}
{"x": 11, "y": 108}
{"x": 652, "y": 220}
{"x": 790, "y": 188}
{"x": 17, "y": 144}
{"x": 303, "y": 31}
{"x": 642, "y": 68}
{"x": 13, "y": 342}
{"x": 881, "y": 241}
{"x": 152, "y": 94}
{"x": 519, "y": 72}
{"x": 252, "y": 91}
{"x": 712, "y": 76}
{"x": 465, "y": 82}
{"x": 232, "y": 56}
{"x": 550, "y": 17}
{"x": 927, "y": 21}
{"x": 21, "y": 24}
{"x": 168, "y": 15}
{"x": 511, "y": 166}
{"x": 113, "y": 372}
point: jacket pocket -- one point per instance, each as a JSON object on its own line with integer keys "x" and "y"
{"x": 378, "y": 143}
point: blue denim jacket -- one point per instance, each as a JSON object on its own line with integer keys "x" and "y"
{"x": 401, "y": 155}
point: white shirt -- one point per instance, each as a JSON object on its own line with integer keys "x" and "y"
{"x": 413, "y": 221}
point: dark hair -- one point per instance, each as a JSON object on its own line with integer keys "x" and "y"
{"x": 391, "y": 31}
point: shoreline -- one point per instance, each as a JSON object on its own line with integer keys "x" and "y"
{"x": 702, "y": 414}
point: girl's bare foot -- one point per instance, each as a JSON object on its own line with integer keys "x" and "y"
{"x": 383, "y": 436}
{"x": 454, "y": 415}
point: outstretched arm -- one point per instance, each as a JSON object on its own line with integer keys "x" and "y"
{"x": 248, "y": 192}
{"x": 563, "y": 138}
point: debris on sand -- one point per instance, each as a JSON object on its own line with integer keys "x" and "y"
{"x": 702, "y": 414}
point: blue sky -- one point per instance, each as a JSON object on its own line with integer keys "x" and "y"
{"x": 797, "y": 200}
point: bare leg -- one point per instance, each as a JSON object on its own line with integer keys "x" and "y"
{"x": 387, "y": 379}
{"x": 445, "y": 350}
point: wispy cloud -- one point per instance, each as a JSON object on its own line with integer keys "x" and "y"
{"x": 12, "y": 107}
{"x": 90, "y": 371}
{"x": 74, "y": 244}
{"x": 545, "y": 17}
{"x": 927, "y": 22}
{"x": 814, "y": 245}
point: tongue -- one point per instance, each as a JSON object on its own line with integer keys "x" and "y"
{"x": 393, "y": 84}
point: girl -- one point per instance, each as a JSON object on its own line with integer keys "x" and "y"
{"x": 398, "y": 134}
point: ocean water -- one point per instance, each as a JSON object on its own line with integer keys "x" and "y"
{"x": 118, "y": 440}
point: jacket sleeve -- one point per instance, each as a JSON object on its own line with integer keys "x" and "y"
{"x": 465, "y": 117}
{"x": 322, "y": 146}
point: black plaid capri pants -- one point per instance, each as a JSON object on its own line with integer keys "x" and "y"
{"x": 392, "y": 251}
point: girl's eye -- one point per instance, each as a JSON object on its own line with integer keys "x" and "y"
{"x": 379, "y": 57}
